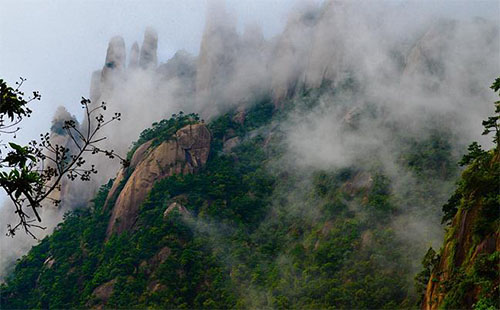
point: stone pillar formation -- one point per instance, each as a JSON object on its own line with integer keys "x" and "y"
{"x": 148, "y": 57}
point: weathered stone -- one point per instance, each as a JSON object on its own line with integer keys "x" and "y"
{"x": 176, "y": 206}
{"x": 134, "y": 56}
{"x": 115, "y": 59}
{"x": 136, "y": 158}
{"x": 218, "y": 50}
{"x": 195, "y": 141}
{"x": 95, "y": 85}
{"x": 148, "y": 266}
{"x": 103, "y": 292}
{"x": 148, "y": 58}
{"x": 49, "y": 262}
{"x": 139, "y": 154}
{"x": 184, "y": 154}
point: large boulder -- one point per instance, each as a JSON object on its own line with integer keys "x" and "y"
{"x": 185, "y": 153}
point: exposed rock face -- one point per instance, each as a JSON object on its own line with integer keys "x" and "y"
{"x": 134, "y": 56}
{"x": 148, "y": 58}
{"x": 103, "y": 292}
{"x": 288, "y": 50}
{"x": 138, "y": 156}
{"x": 151, "y": 264}
{"x": 186, "y": 153}
{"x": 460, "y": 251}
{"x": 176, "y": 206}
{"x": 95, "y": 86}
{"x": 49, "y": 262}
{"x": 426, "y": 57}
{"x": 467, "y": 269}
{"x": 115, "y": 59}
{"x": 218, "y": 50}
{"x": 327, "y": 56}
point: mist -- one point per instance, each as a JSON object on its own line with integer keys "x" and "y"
{"x": 412, "y": 65}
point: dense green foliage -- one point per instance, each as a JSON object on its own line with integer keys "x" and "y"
{"x": 257, "y": 234}
{"x": 163, "y": 130}
{"x": 477, "y": 194}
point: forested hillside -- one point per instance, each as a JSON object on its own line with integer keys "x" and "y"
{"x": 312, "y": 169}
{"x": 233, "y": 234}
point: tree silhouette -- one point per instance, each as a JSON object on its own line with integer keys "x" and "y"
{"x": 30, "y": 174}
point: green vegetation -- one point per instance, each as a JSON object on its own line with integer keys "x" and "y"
{"x": 477, "y": 196}
{"x": 30, "y": 174}
{"x": 257, "y": 235}
{"x": 163, "y": 130}
{"x": 465, "y": 274}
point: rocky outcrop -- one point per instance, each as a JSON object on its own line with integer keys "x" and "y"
{"x": 138, "y": 156}
{"x": 49, "y": 262}
{"x": 115, "y": 60}
{"x": 288, "y": 50}
{"x": 95, "y": 86}
{"x": 148, "y": 266}
{"x": 148, "y": 58}
{"x": 218, "y": 50}
{"x": 458, "y": 258}
{"x": 176, "y": 206}
{"x": 240, "y": 116}
{"x": 186, "y": 152}
{"x": 134, "y": 56}
{"x": 466, "y": 272}
{"x": 325, "y": 58}
{"x": 102, "y": 293}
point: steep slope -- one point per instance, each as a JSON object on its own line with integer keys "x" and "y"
{"x": 186, "y": 152}
{"x": 465, "y": 275}
{"x": 239, "y": 230}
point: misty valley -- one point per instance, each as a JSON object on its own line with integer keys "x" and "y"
{"x": 351, "y": 161}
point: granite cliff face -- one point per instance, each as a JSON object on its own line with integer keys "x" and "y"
{"x": 466, "y": 274}
{"x": 185, "y": 153}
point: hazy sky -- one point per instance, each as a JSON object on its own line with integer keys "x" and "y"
{"x": 56, "y": 44}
